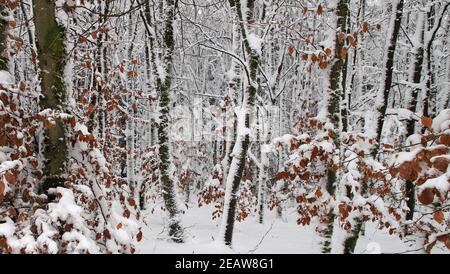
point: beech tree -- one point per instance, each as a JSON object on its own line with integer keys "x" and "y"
{"x": 241, "y": 145}
{"x": 335, "y": 97}
{"x": 51, "y": 56}
{"x": 163, "y": 71}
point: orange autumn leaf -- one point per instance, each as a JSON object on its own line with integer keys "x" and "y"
{"x": 139, "y": 236}
{"x": 283, "y": 175}
{"x": 22, "y": 86}
{"x": 12, "y": 24}
{"x": 366, "y": 27}
{"x": 2, "y": 189}
{"x": 426, "y": 197}
{"x": 438, "y": 216}
{"x": 10, "y": 177}
{"x": 344, "y": 51}
{"x": 427, "y": 122}
{"x": 319, "y": 10}
{"x": 291, "y": 49}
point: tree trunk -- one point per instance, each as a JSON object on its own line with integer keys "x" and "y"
{"x": 261, "y": 169}
{"x": 351, "y": 237}
{"x": 429, "y": 104}
{"x": 446, "y": 103}
{"x": 95, "y": 119}
{"x": 234, "y": 86}
{"x": 411, "y": 104}
{"x": 383, "y": 93}
{"x": 163, "y": 85}
{"x": 51, "y": 55}
{"x": 335, "y": 95}
{"x": 241, "y": 146}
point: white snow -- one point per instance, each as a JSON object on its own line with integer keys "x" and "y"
{"x": 82, "y": 128}
{"x": 65, "y": 209}
{"x": 6, "y": 78}
{"x": 276, "y": 237}
{"x": 284, "y": 140}
{"x": 441, "y": 183}
{"x": 440, "y": 122}
{"x": 255, "y": 42}
{"x": 414, "y": 140}
{"x": 242, "y": 130}
{"x": 79, "y": 243}
{"x": 404, "y": 156}
{"x": 7, "y": 229}
{"x": 8, "y": 165}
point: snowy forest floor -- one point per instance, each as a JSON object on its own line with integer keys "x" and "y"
{"x": 274, "y": 236}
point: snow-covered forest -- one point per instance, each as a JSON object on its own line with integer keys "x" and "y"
{"x": 224, "y": 126}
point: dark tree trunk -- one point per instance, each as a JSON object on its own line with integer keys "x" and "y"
{"x": 51, "y": 55}
{"x": 411, "y": 105}
{"x": 335, "y": 91}
{"x": 429, "y": 100}
{"x": 388, "y": 71}
{"x": 95, "y": 119}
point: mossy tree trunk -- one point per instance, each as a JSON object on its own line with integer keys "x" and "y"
{"x": 163, "y": 85}
{"x": 51, "y": 56}
{"x": 335, "y": 95}
{"x": 262, "y": 180}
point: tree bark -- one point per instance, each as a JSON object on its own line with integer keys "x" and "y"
{"x": 335, "y": 95}
{"x": 234, "y": 86}
{"x": 429, "y": 104}
{"x": 51, "y": 56}
{"x": 163, "y": 85}
{"x": 241, "y": 146}
{"x": 411, "y": 104}
{"x": 261, "y": 169}
{"x": 383, "y": 93}
{"x": 96, "y": 118}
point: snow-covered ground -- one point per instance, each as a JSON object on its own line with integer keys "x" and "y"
{"x": 274, "y": 236}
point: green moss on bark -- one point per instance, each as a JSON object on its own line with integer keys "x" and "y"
{"x": 51, "y": 56}
{"x": 335, "y": 91}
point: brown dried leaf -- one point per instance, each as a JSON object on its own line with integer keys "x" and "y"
{"x": 366, "y": 27}
{"x": 438, "y": 216}
{"x": 426, "y": 197}
{"x": 427, "y": 122}
{"x": 319, "y": 10}
{"x": 291, "y": 49}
